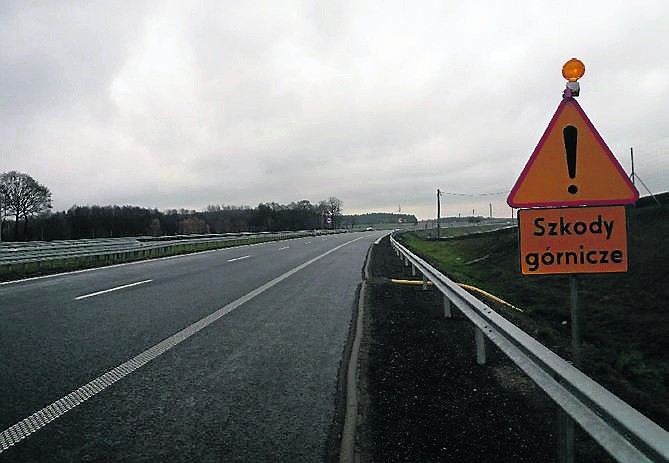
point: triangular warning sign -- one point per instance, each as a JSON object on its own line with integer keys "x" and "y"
{"x": 571, "y": 166}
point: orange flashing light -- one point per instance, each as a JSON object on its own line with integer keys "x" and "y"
{"x": 573, "y": 70}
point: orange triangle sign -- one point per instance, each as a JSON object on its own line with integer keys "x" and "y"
{"x": 571, "y": 166}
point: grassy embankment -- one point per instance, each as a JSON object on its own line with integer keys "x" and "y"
{"x": 624, "y": 317}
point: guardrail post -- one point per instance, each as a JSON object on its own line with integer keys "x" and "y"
{"x": 406, "y": 261}
{"x": 413, "y": 270}
{"x": 447, "y": 308}
{"x": 565, "y": 437}
{"x": 480, "y": 345}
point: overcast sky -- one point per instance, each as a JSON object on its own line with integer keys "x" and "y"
{"x": 184, "y": 104}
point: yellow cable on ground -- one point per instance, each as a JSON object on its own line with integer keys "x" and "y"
{"x": 470, "y": 287}
{"x": 410, "y": 282}
{"x": 491, "y": 296}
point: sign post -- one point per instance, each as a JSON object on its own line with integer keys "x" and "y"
{"x": 571, "y": 196}
{"x": 575, "y": 335}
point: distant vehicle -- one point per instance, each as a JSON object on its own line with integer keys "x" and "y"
{"x": 369, "y": 229}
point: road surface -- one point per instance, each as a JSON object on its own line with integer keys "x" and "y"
{"x": 230, "y": 355}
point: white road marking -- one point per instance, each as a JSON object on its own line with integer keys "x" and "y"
{"x": 238, "y": 258}
{"x": 111, "y": 289}
{"x": 285, "y": 247}
{"x": 27, "y": 426}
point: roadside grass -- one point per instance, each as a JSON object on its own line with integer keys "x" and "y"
{"x": 462, "y": 229}
{"x": 624, "y": 317}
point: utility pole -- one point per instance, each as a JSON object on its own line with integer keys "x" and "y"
{"x": 438, "y": 211}
{"x": 490, "y": 210}
{"x": 632, "y": 174}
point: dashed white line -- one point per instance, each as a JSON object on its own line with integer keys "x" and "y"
{"x": 24, "y": 428}
{"x": 285, "y": 247}
{"x": 238, "y": 258}
{"x": 111, "y": 289}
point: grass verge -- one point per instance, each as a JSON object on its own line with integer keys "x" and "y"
{"x": 624, "y": 317}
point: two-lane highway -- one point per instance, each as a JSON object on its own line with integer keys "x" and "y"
{"x": 229, "y": 355}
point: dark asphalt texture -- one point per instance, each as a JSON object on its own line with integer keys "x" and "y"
{"x": 257, "y": 385}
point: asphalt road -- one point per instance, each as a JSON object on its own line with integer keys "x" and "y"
{"x": 257, "y": 382}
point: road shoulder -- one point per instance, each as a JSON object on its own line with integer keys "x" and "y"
{"x": 423, "y": 397}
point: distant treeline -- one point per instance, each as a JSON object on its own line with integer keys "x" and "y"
{"x": 118, "y": 221}
{"x": 375, "y": 218}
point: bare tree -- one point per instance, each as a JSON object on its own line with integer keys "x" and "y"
{"x": 24, "y": 197}
{"x": 335, "y": 206}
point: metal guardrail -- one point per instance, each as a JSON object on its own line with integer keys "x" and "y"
{"x": 34, "y": 252}
{"x": 627, "y": 435}
{"x": 15, "y": 256}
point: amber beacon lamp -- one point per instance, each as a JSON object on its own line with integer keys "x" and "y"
{"x": 572, "y": 70}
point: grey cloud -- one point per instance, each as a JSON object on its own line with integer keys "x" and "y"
{"x": 170, "y": 105}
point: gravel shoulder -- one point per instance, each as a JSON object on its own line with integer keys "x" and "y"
{"x": 423, "y": 397}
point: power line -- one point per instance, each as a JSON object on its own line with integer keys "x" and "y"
{"x": 474, "y": 195}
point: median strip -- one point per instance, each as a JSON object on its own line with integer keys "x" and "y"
{"x": 111, "y": 289}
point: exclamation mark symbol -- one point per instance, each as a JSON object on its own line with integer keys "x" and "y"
{"x": 570, "y": 134}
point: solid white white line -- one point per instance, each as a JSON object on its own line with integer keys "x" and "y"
{"x": 111, "y": 289}
{"x": 238, "y": 258}
{"x": 16, "y": 433}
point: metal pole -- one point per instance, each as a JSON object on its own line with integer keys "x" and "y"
{"x": 480, "y": 346}
{"x": 566, "y": 452}
{"x": 632, "y": 157}
{"x": 447, "y": 308}
{"x": 438, "y": 212}
{"x": 575, "y": 337}
{"x": 566, "y": 447}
